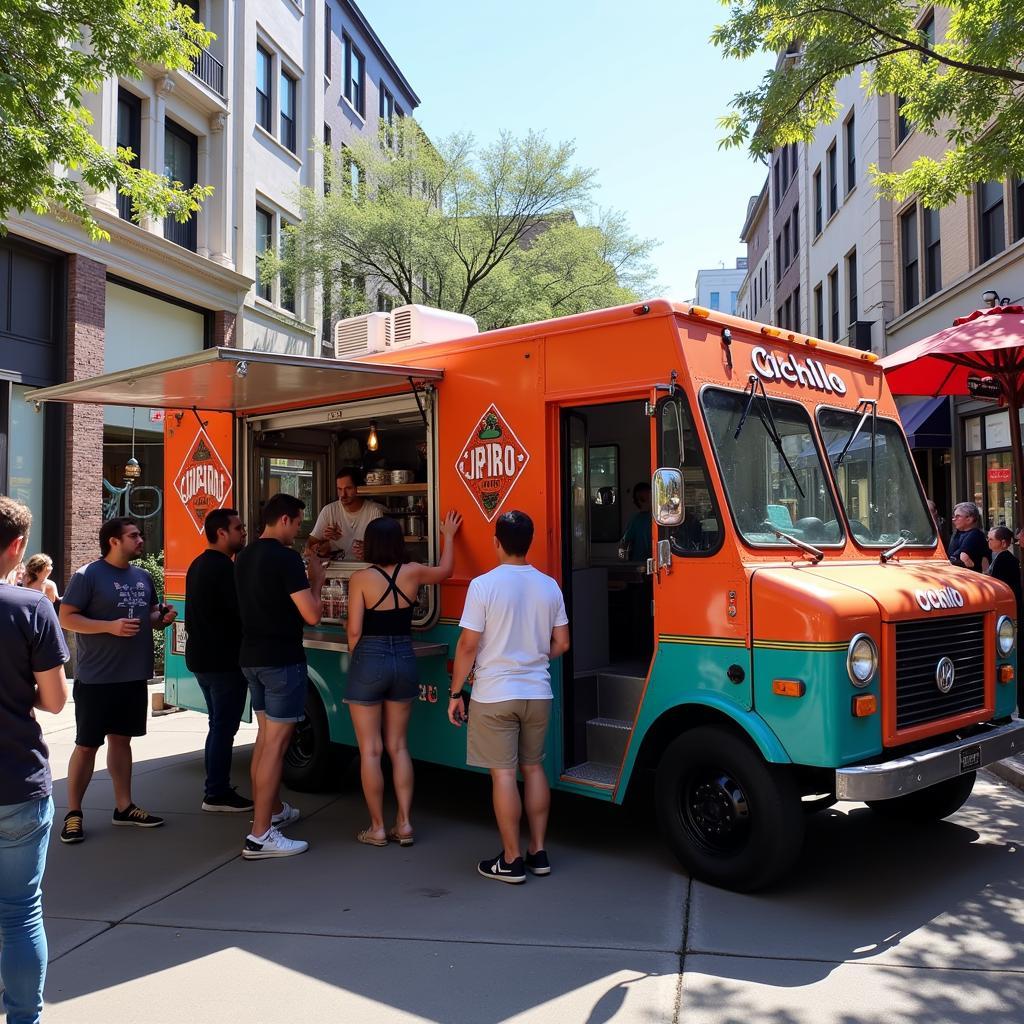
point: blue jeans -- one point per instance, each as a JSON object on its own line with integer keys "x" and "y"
{"x": 24, "y": 831}
{"x": 224, "y": 693}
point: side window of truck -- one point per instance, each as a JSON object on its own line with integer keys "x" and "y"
{"x": 700, "y": 532}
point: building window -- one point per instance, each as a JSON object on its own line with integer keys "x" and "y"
{"x": 778, "y": 192}
{"x": 264, "y": 242}
{"x": 778, "y": 258}
{"x": 795, "y": 220}
{"x": 353, "y": 173}
{"x": 129, "y": 136}
{"x": 908, "y": 247}
{"x": 833, "y": 192}
{"x": 778, "y": 318}
{"x": 385, "y": 302}
{"x": 833, "y": 304}
{"x": 355, "y": 91}
{"x": 732, "y": 301}
{"x": 851, "y": 153}
{"x": 287, "y": 284}
{"x": 819, "y": 313}
{"x": 327, "y": 41}
{"x": 990, "y": 219}
{"x": 851, "y": 285}
{"x": 328, "y": 159}
{"x": 288, "y": 138}
{"x": 715, "y": 301}
{"x": 785, "y": 245}
{"x": 928, "y": 30}
{"x": 1018, "y": 209}
{"x": 263, "y": 80}
{"x": 932, "y": 252}
{"x": 902, "y": 124}
{"x": 796, "y": 308}
{"x": 817, "y": 201}
{"x": 387, "y": 115}
{"x": 181, "y": 150}
{"x": 787, "y": 313}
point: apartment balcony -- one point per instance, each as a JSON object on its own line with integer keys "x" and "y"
{"x": 209, "y": 71}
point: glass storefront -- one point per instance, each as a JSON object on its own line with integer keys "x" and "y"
{"x": 989, "y": 467}
{"x": 25, "y": 457}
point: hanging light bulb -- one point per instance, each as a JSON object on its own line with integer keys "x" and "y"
{"x": 372, "y": 440}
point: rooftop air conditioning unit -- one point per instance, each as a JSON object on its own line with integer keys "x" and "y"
{"x": 360, "y": 335}
{"x": 420, "y": 325}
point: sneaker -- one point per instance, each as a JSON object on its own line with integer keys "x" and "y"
{"x": 500, "y": 871}
{"x": 537, "y": 863}
{"x": 230, "y": 803}
{"x": 273, "y": 844}
{"x": 286, "y": 816}
{"x": 136, "y": 816}
{"x": 72, "y": 832}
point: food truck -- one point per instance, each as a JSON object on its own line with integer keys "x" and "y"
{"x": 786, "y": 632}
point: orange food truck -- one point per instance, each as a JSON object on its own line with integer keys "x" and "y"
{"x": 787, "y": 632}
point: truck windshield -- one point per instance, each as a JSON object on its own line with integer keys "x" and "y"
{"x": 765, "y": 493}
{"x": 879, "y": 491}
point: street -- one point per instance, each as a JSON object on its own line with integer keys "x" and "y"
{"x": 166, "y": 925}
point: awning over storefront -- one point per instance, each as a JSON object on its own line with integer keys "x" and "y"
{"x": 927, "y": 423}
{"x": 235, "y": 380}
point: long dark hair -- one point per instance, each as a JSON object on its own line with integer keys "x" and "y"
{"x": 384, "y": 542}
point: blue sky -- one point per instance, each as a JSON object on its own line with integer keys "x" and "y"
{"x": 636, "y": 85}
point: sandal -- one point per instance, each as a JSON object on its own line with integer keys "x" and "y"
{"x": 367, "y": 837}
{"x": 403, "y": 840}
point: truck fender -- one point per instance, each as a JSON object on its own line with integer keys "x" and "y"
{"x": 331, "y": 702}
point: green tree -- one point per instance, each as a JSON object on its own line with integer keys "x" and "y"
{"x": 967, "y": 88}
{"x": 51, "y": 55}
{"x": 484, "y": 231}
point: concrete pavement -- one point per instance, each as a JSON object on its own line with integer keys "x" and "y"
{"x": 877, "y": 925}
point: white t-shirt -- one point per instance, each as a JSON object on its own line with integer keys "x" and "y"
{"x": 515, "y": 607}
{"x": 352, "y": 527}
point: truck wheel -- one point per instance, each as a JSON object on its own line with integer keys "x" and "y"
{"x": 730, "y": 818}
{"x": 309, "y": 761}
{"x": 931, "y": 804}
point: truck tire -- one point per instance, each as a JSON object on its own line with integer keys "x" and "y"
{"x": 729, "y": 817}
{"x": 931, "y": 804}
{"x": 311, "y": 760}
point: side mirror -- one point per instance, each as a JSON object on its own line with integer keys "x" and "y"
{"x": 667, "y": 496}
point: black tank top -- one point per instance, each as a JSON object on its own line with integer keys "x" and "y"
{"x": 395, "y": 621}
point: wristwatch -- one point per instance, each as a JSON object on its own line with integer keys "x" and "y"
{"x": 453, "y": 695}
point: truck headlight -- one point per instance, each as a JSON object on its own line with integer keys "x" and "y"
{"x": 861, "y": 659}
{"x": 1006, "y": 635}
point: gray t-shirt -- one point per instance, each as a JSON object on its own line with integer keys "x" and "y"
{"x": 100, "y": 590}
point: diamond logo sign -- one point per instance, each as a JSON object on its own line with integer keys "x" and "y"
{"x": 203, "y": 483}
{"x": 491, "y": 461}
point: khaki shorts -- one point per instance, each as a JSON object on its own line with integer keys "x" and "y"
{"x": 507, "y": 733}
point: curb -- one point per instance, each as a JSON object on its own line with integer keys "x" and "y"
{"x": 1010, "y": 770}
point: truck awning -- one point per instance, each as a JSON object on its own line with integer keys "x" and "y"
{"x": 235, "y": 380}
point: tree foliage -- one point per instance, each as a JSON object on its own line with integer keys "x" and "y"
{"x": 51, "y": 55}
{"x": 485, "y": 231}
{"x": 967, "y": 88}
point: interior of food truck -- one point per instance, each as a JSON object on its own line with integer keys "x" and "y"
{"x": 606, "y": 477}
{"x": 386, "y": 442}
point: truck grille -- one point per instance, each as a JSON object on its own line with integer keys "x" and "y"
{"x": 919, "y": 646}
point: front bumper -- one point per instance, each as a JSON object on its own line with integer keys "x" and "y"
{"x": 927, "y": 767}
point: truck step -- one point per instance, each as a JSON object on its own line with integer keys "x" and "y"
{"x": 618, "y": 696}
{"x": 607, "y": 739}
{"x": 603, "y": 775}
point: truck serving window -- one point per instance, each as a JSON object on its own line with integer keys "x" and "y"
{"x": 771, "y": 469}
{"x": 875, "y": 479}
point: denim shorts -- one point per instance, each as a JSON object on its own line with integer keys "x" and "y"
{"x": 383, "y": 668}
{"x": 279, "y": 691}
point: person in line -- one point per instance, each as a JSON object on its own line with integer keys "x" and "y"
{"x": 383, "y": 680}
{"x": 31, "y": 677}
{"x": 341, "y": 525}
{"x": 112, "y": 606}
{"x": 513, "y": 625}
{"x": 275, "y": 599}
{"x": 1006, "y": 567}
{"x": 37, "y": 577}
{"x": 213, "y": 631}
{"x": 968, "y": 546}
{"x": 636, "y": 541}
{"x": 16, "y": 576}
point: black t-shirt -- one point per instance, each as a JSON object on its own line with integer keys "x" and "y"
{"x": 212, "y": 624}
{"x": 1005, "y": 567}
{"x": 974, "y": 542}
{"x": 266, "y": 575}
{"x": 31, "y": 641}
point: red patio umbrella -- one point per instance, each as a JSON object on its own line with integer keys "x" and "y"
{"x": 987, "y": 346}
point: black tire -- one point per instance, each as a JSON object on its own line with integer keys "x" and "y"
{"x": 730, "y": 818}
{"x": 311, "y": 762}
{"x": 931, "y": 804}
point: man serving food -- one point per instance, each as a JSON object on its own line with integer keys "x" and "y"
{"x": 339, "y": 529}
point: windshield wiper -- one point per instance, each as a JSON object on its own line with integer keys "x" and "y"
{"x": 767, "y": 418}
{"x": 898, "y": 546}
{"x": 816, "y": 553}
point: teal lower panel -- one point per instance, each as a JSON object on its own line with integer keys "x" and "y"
{"x": 1006, "y": 693}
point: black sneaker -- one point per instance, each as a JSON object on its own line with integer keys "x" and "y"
{"x": 136, "y": 816}
{"x": 537, "y": 863}
{"x": 230, "y": 803}
{"x": 501, "y": 871}
{"x": 72, "y": 832}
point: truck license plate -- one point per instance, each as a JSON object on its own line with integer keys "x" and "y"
{"x": 970, "y": 759}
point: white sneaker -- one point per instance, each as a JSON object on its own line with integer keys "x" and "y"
{"x": 273, "y": 844}
{"x": 288, "y": 815}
